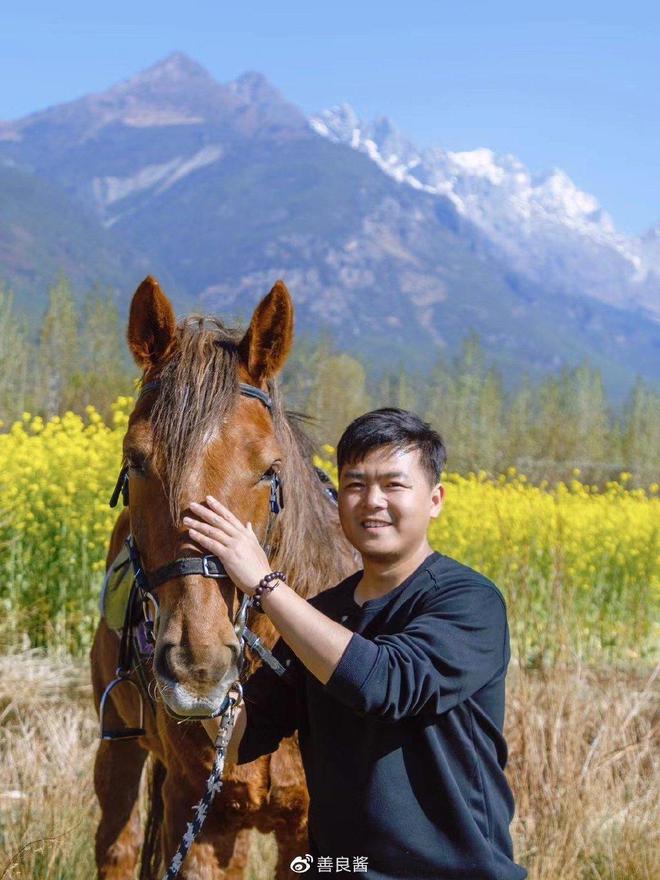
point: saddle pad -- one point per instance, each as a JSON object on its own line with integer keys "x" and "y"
{"x": 116, "y": 589}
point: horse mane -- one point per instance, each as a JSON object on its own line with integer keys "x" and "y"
{"x": 199, "y": 388}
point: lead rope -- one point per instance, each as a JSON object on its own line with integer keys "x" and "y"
{"x": 214, "y": 782}
{"x": 213, "y": 786}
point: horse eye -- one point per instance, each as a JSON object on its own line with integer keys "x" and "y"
{"x": 272, "y": 470}
{"x": 136, "y": 464}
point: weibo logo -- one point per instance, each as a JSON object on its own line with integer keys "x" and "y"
{"x": 301, "y": 864}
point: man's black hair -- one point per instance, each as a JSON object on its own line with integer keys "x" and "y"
{"x": 399, "y": 428}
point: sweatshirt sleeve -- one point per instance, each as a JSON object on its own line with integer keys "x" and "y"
{"x": 271, "y": 706}
{"x": 456, "y": 644}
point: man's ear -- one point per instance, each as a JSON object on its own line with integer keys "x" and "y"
{"x": 437, "y": 499}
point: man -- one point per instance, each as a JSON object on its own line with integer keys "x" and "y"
{"x": 397, "y": 673}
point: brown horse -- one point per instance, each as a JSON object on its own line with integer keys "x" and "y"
{"x": 196, "y": 436}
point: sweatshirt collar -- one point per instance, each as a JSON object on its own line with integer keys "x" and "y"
{"x": 381, "y": 601}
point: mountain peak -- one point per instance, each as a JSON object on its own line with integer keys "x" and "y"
{"x": 175, "y": 69}
{"x": 252, "y": 87}
{"x": 339, "y": 123}
{"x": 263, "y": 105}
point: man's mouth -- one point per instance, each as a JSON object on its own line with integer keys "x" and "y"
{"x": 374, "y": 524}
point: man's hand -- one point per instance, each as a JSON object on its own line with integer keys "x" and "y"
{"x": 235, "y": 544}
{"x": 316, "y": 639}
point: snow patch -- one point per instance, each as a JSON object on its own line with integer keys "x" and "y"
{"x": 153, "y": 118}
{"x": 109, "y": 190}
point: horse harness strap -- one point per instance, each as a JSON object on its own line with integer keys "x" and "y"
{"x": 208, "y": 566}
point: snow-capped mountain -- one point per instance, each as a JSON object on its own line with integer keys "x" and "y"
{"x": 542, "y": 224}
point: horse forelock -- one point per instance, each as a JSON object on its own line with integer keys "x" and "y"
{"x": 198, "y": 389}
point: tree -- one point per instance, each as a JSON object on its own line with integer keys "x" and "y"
{"x": 16, "y": 355}
{"x": 398, "y": 390}
{"x": 102, "y": 374}
{"x": 59, "y": 349}
{"x": 440, "y": 411}
{"x": 519, "y": 440}
{"x": 300, "y": 375}
{"x": 641, "y": 449}
{"x": 338, "y": 395}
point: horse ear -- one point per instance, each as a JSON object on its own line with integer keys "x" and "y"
{"x": 265, "y": 347}
{"x": 151, "y": 324}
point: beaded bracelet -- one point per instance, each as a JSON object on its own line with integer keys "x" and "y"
{"x": 265, "y": 586}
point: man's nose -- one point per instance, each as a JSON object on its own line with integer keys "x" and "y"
{"x": 374, "y": 498}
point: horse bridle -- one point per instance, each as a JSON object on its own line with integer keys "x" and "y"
{"x": 207, "y": 566}
{"x": 146, "y": 583}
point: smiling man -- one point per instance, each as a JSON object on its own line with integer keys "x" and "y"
{"x": 396, "y": 676}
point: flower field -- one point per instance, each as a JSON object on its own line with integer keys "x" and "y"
{"x": 577, "y": 563}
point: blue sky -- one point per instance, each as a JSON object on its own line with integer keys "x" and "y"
{"x": 569, "y": 85}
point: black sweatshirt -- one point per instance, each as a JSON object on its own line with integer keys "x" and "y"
{"x": 402, "y": 748}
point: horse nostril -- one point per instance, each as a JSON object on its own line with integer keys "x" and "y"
{"x": 180, "y": 664}
{"x": 162, "y": 663}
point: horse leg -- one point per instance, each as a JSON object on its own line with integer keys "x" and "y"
{"x": 218, "y": 857}
{"x": 117, "y": 771}
{"x": 222, "y": 849}
{"x": 291, "y": 842}
{"x": 287, "y": 804}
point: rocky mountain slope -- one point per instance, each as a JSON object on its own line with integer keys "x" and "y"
{"x": 219, "y": 189}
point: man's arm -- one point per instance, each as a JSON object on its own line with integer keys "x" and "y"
{"x": 315, "y": 639}
{"x": 450, "y": 650}
{"x": 318, "y": 641}
{"x": 447, "y": 652}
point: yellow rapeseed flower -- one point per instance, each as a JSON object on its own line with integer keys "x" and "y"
{"x": 574, "y": 562}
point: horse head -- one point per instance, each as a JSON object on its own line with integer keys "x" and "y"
{"x": 193, "y": 433}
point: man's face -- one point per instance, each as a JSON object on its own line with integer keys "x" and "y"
{"x": 385, "y": 503}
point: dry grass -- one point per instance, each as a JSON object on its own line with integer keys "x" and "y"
{"x": 584, "y": 769}
{"x": 583, "y": 765}
{"x": 47, "y": 802}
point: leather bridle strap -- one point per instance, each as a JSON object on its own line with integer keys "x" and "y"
{"x": 245, "y": 389}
